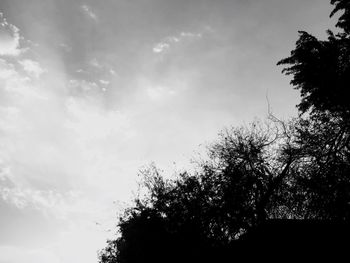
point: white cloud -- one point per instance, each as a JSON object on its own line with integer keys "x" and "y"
{"x": 69, "y": 155}
{"x": 91, "y": 123}
{"x": 7, "y": 70}
{"x": 32, "y": 67}
{"x": 45, "y": 201}
{"x": 88, "y": 11}
{"x": 84, "y": 87}
{"x": 160, "y": 47}
{"x": 189, "y": 34}
{"x": 71, "y": 136}
{"x": 15, "y": 87}
{"x": 112, "y": 71}
{"x": 9, "y": 38}
{"x": 159, "y": 92}
{"x": 80, "y": 87}
{"x": 62, "y": 158}
{"x": 11, "y": 254}
{"x": 166, "y": 43}
{"x": 65, "y": 47}
{"x": 104, "y": 82}
{"x": 94, "y": 62}
{"x": 66, "y": 130}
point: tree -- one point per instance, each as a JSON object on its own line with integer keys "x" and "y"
{"x": 321, "y": 71}
{"x": 324, "y": 177}
{"x": 278, "y": 170}
{"x": 344, "y": 19}
{"x": 237, "y": 188}
{"x": 321, "y": 68}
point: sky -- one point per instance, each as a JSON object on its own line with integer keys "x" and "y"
{"x": 92, "y": 91}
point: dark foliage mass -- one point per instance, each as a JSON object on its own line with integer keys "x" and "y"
{"x": 321, "y": 71}
{"x": 344, "y": 19}
{"x": 321, "y": 68}
{"x": 281, "y": 184}
{"x": 325, "y": 166}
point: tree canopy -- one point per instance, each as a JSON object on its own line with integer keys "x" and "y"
{"x": 344, "y": 19}
{"x": 320, "y": 69}
{"x": 240, "y": 186}
{"x": 297, "y": 169}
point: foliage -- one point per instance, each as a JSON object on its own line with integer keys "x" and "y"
{"x": 237, "y": 188}
{"x": 325, "y": 167}
{"x": 276, "y": 170}
{"x": 321, "y": 71}
{"x": 344, "y": 19}
{"x": 321, "y": 68}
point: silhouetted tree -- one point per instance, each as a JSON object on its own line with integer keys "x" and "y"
{"x": 324, "y": 167}
{"x": 321, "y": 68}
{"x": 240, "y": 186}
{"x": 321, "y": 71}
{"x": 281, "y": 170}
{"x": 344, "y": 19}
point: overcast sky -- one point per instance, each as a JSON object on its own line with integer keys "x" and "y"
{"x": 92, "y": 90}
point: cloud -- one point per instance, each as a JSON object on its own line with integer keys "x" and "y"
{"x": 15, "y": 88}
{"x": 50, "y": 202}
{"x": 88, "y": 11}
{"x": 67, "y": 124}
{"x": 84, "y": 87}
{"x": 9, "y": 38}
{"x": 91, "y": 123}
{"x": 93, "y": 62}
{"x": 112, "y": 72}
{"x": 46, "y": 201}
{"x": 7, "y": 70}
{"x": 104, "y": 82}
{"x": 62, "y": 158}
{"x": 75, "y": 137}
{"x": 65, "y": 47}
{"x": 32, "y": 67}
{"x": 159, "y": 92}
{"x": 189, "y": 34}
{"x": 160, "y": 47}
{"x": 11, "y": 254}
{"x": 67, "y": 151}
{"x": 167, "y": 42}
{"x": 81, "y": 87}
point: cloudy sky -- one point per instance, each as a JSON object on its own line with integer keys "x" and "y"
{"x": 90, "y": 91}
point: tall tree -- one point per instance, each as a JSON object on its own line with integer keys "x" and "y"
{"x": 282, "y": 170}
{"x": 321, "y": 68}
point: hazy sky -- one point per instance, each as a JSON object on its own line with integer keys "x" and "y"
{"x": 92, "y": 90}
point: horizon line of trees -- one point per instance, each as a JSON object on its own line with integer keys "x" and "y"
{"x": 296, "y": 169}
